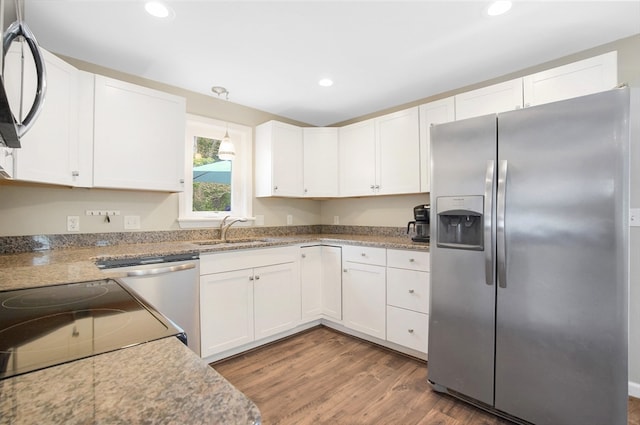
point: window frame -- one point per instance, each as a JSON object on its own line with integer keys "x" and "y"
{"x": 241, "y": 172}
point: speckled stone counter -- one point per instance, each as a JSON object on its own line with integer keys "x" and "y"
{"x": 30, "y": 269}
{"x": 160, "y": 382}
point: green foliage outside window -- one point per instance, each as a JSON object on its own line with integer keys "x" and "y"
{"x": 209, "y": 195}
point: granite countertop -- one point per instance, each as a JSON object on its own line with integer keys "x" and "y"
{"x": 51, "y": 267}
{"x": 160, "y": 382}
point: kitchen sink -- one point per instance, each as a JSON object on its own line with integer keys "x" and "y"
{"x": 229, "y": 241}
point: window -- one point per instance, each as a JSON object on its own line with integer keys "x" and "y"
{"x": 214, "y": 188}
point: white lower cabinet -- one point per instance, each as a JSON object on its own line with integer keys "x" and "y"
{"x": 246, "y": 296}
{"x": 276, "y": 299}
{"x": 364, "y": 290}
{"x": 321, "y": 282}
{"x": 408, "y": 298}
{"x": 226, "y": 311}
{"x": 408, "y": 328}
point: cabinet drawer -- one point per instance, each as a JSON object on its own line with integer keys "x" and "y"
{"x": 405, "y": 259}
{"x": 364, "y": 255}
{"x": 408, "y": 328}
{"x": 408, "y": 289}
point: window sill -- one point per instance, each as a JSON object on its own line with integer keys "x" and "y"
{"x": 203, "y": 222}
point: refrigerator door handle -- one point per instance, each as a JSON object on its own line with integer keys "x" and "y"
{"x": 489, "y": 238}
{"x": 500, "y": 220}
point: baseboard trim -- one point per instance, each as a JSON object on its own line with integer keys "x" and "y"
{"x": 634, "y": 389}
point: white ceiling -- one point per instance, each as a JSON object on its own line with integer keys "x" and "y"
{"x": 270, "y": 55}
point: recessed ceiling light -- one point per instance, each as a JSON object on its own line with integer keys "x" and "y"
{"x": 498, "y": 8}
{"x": 157, "y": 9}
{"x": 325, "y": 82}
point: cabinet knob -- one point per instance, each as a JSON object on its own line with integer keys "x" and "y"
{"x": 377, "y": 186}
{"x": 411, "y": 291}
{"x": 344, "y": 270}
{"x": 275, "y": 187}
{"x": 364, "y": 254}
{"x": 75, "y": 173}
{"x": 305, "y": 191}
{"x": 257, "y": 277}
{"x": 304, "y": 255}
{"x": 410, "y": 331}
{"x": 372, "y": 187}
{"x": 250, "y": 277}
{"x": 412, "y": 260}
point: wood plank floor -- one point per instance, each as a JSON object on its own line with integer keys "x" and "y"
{"x": 325, "y": 377}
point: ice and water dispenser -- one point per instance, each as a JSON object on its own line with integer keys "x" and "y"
{"x": 460, "y": 222}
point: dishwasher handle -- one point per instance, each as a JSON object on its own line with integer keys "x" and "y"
{"x": 161, "y": 270}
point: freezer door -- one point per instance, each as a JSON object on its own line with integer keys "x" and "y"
{"x": 561, "y": 327}
{"x": 461, "y": 319}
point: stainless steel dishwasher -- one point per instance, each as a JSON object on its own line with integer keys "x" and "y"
{"x": 169, "y": 283}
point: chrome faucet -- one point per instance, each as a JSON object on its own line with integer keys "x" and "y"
{"x": 224, "y": 226}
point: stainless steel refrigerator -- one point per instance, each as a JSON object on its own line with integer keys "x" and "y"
{"x": 529, "y": 261}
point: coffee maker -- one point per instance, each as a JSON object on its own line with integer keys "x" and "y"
{"x": 420, "y": 224}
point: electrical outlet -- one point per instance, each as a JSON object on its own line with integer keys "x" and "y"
{"x": 336, "y": 219}
{"x": 131, "y": 222}
{"x": 634, "y": 217}
{"x": 73, "y": 223}
{"x": 289, "y": 219}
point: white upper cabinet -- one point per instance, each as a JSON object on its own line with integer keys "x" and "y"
{"x": 380, "y": 156}
{"x": 588, "y": 76}
{"x": 437, "y": 112}
{"x": 397, "y": 152}
{"x": 138, "y": 137}
{"x": 50, "y": 149}
{"x": 320, "y": 150}
{"x": 357, "y": 159}
{"x": 500, "y": 97}
{"x": 279, "y": 160}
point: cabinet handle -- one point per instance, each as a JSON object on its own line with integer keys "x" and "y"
{"x": 411, "y": 291}
{"x": 372, "y": 187}
{"x": 75, "y": 173}
{"x": 410, "y": 331}
{"x": 257, "y": 277}
{"x": 363, "y": 254}
{"x": 378, "y": 186}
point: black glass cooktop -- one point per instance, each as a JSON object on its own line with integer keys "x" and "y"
{"x": 46, "y": 326}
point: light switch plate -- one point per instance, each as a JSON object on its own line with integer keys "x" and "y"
{"x": 634, "y": 217}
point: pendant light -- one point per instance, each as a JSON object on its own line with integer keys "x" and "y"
{"x": 226, "y": 150}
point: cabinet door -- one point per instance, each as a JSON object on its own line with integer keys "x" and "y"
{"x": 279, "y": 160}
{"x": 398, "y": 153}
{"x": 580, "y": 78}
{"x": 226, "y": 311}
{"x": 364, "y": 298}
{"x": 437, "y": 112}
{"x": 320, "y": 162}
{"x": 357, "y": 159}
{"x": 500, "y": 97}
{"x": 311, "y": 269}
{"x": 276, "y": 296}
{"x": 49, "y": 149}
{"x": 138, "y": 137}
{"x": 332, "y": 282}
{"x": 408, "y": 289}
{"x": 408, "y": 328}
